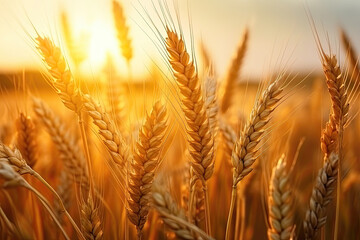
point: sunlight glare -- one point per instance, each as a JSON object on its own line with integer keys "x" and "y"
{"x": 103, "y": 40}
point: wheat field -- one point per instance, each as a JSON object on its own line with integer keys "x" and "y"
{"x": 185, "y": 152}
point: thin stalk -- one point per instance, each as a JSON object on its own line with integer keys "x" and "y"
{"x": 7, "y": 222}
{"x": 38, "y": 225}
{"x": 61, "y": 204}
{"x": 126, "y": 226}
{"x": 237, "y": 218}
{"x": 207, "y": 210}
{"x": 231, "y": 210}
{"x": 338, "y": 190}
{"x": 87, "y": 154}
{"x": 243, "y": 215}
{"x": 46, "y": 204}
{"x": 192, "y": 198}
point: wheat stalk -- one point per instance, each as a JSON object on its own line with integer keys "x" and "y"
{"x": 200, "y": 138}
{"x": 233, "y": 73}
{"x": 14, "y": 159}
{"x": 122, "y": 31}
{"x": 321, "y": 196}
{"x": 65, "y": 193}
{"x": 13, "y": 179}
{"x": 146, "y": 160}
{"x": 245, "y": 150}
{"x": 69, "y": 93}
{"x": 10, "y": 230}
{"x": 332, "y": 137}
{"x": 280, "y": 203}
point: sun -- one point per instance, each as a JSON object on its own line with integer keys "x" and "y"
{"x": 102, "y": 41}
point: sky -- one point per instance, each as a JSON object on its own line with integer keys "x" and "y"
{"x": 280, "y": 32}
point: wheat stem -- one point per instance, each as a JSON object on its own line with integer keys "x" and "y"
{"x": 38, "y": 176}
{"x": 232, "y": 205}
{"x": 87, "y": 154}
{"x": 46, "y": 204}
{"x": 207, "y": 210}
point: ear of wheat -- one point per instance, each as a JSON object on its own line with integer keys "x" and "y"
{"x": 65, "y": 142}
{"x": 122, "y": 31}
{"x": 350, "y": 54}
{"x": 244, "y": 153}
{"x": 90, "y": 221}
{"x": 233, "y": 73}
{"x": 199, "y": 134}
{"x": 173, "y": 216}
{"x": 321, "y": 196}
{"x": 245, "y": 150}
{"x": 117, "y": 147}
{"x": 62, "y": 79}
{"x": 14, "y": 159}
{"x": 146, "y": 160}
{"x": 340, "y": 105}
{"x": 26, "y": 139}
{"x": 280, "y": 203}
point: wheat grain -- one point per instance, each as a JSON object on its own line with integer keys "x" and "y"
{"x": 199, "y": 134}
{"x": 146, "y": 160}
{"x": 115, "y": 144}
{"x": 15, "y": 159}
{"x": 244, "y": 153}
{"x": 90, "y": 221}
{"x": 280, "y": 203}
{"x": 340, "y": 105}
{"x": 321, "y": 196}
{"x": 26, "y": 139}
{"x": 62, "y": 79}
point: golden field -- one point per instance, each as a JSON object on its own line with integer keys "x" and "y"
{"x": 182, "y": 153}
